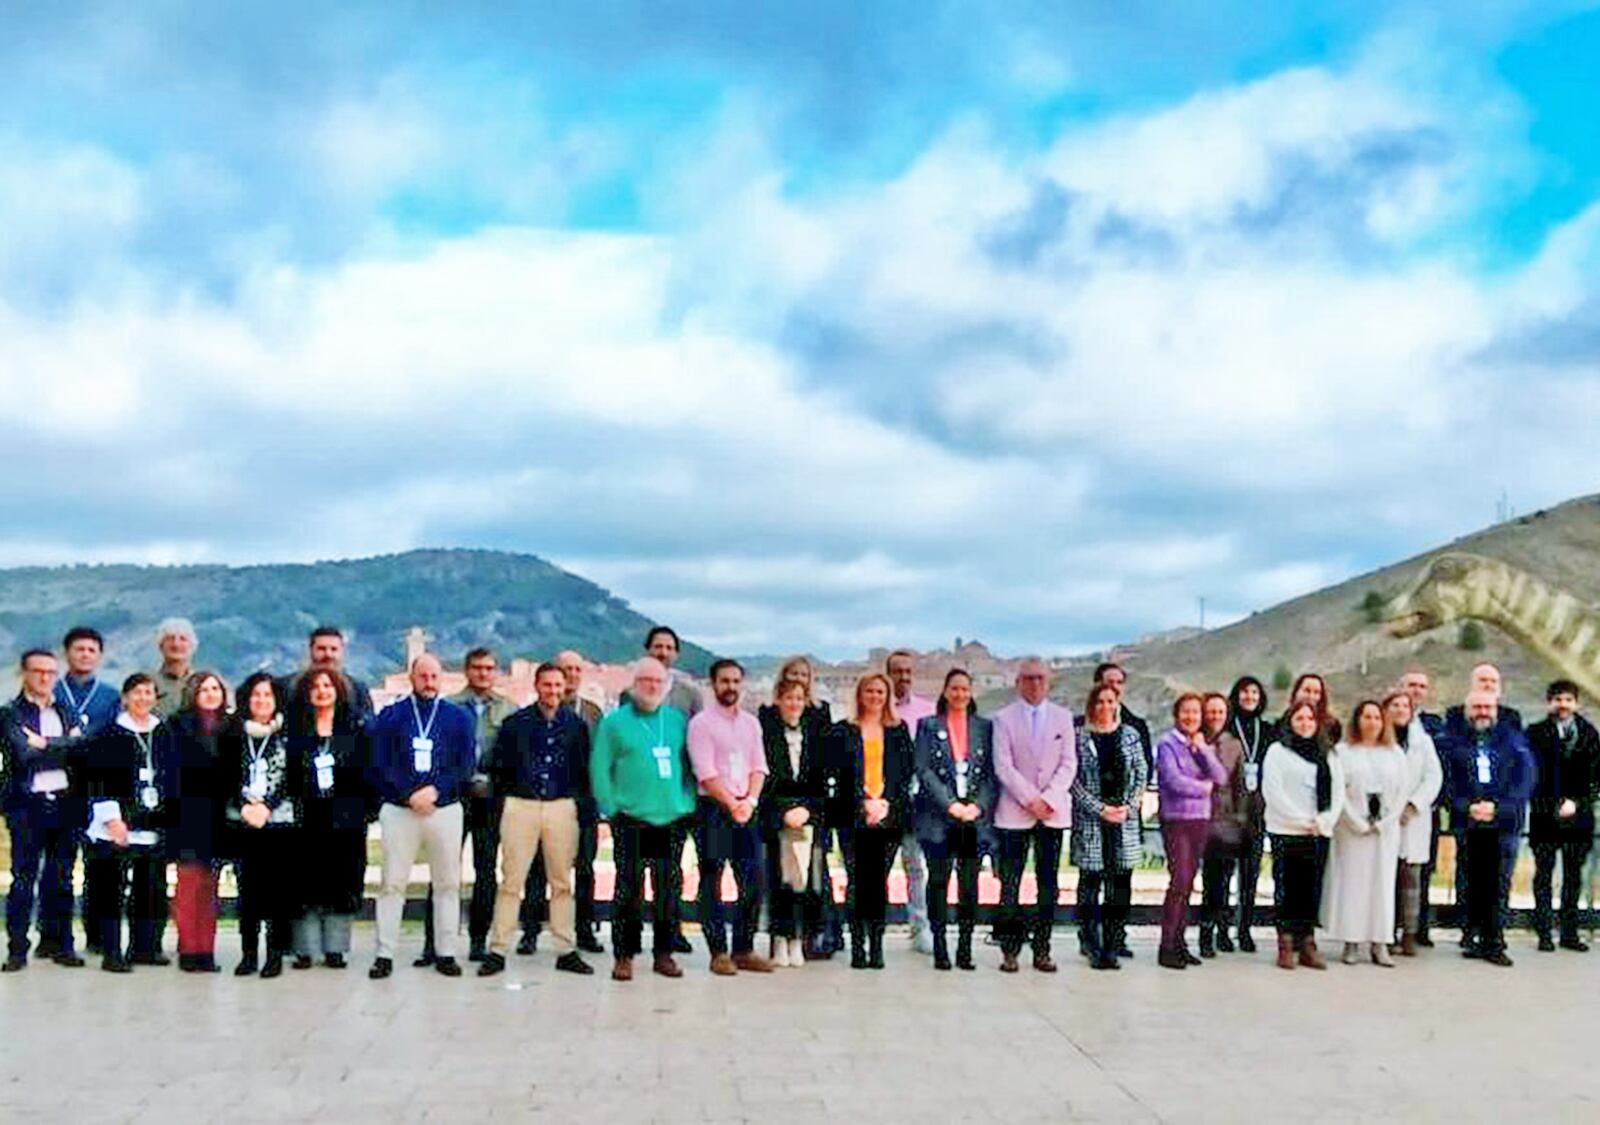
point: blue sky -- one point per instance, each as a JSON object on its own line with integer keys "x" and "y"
{"x": 813, "y": 328}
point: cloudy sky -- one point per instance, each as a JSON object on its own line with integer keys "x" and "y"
{"x": 856, "y": 324}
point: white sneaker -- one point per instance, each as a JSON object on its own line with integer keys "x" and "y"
{"x": 780, "y": 953}
{"x": 797, "y": 956}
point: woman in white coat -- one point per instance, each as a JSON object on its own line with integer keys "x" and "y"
{"x": 1424, "y": 778}
{"x": 1358, "y": 892}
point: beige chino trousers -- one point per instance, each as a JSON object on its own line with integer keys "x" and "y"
{"x": 527, "y": 828}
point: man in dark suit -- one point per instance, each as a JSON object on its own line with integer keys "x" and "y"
{"x": 1566, "y": 759}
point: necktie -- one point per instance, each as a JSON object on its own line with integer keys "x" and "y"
{"x": 1033, "y": 723}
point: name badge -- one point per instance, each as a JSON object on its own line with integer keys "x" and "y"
{"x": 1252, "y": 776}
{"x": 422, "y": 754}
{"x": 663, "y": 755}
{"x": 324, "y": 765}
{"x": 149, "y": 797}
{"x": 1484, "y": 776}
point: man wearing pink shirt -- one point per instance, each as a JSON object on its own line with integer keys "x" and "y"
{"x": 1035, "y": 761}
{"x": 911, "y": 708}
{"x": 730, "y": 765}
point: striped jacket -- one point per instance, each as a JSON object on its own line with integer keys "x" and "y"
{"x": 1087, "y": 801}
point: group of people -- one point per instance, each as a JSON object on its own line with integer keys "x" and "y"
{"x": 281, "y": 777}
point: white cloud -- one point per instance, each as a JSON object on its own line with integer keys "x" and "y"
{"x": 1164, "y": 389}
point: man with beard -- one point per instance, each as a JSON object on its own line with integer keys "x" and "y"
{"x": 730, "y": 767}
{"x": 911, "y": 708}
{"x": 1489, "y": 774}
{"x": 1566, "y": 759}
{"x": 640, "y": 774}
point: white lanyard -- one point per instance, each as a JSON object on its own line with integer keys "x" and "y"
{"x": 424, "y": 728}
{"x": 146, "y": 755}
{"x": 257, "y": 749}
{"x": 661, "y": 727}
{"x": 88, "y": 698}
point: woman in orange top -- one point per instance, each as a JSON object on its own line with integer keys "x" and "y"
{"x": 871, "y": 759}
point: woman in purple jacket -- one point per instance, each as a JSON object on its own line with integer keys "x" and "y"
{"x": 1187, "y": 769}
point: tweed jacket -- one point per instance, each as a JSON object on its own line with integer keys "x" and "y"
{"x": 1088, "y": 802}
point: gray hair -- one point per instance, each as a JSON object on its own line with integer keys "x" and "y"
{"x": 177, "y": 627}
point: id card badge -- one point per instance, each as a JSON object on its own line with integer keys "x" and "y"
{"x": 258, "y": 780}
{"x": 1252, "y": 776}
{"x": 1484, "y": 776}
{"x": 961, "y": 780}
{"x": 422, "y": 754}
{"x": 324, "y": 765}
{"x": 149, "y": 798}
{"x": 663, "y": 756}
{"x": 146, "y": 775}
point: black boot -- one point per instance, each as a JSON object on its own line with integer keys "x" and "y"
{"x": 858, "y": 946}
{"x": 964, "y": 948}
{"x": 1208, "y": 944}
{"x": 941, "y": 949}
{"x": 875, "y": 945}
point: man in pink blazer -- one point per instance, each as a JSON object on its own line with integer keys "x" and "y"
{"x": 1035, "y": 760}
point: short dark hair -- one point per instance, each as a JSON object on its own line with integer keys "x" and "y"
{"x": 1105, "y": 666}
{"x": 478, "y": 654}
{"x": 325, "y": 631}
{"x": 725, "y": 662}
{"x": 31, "y": 653}
{"x": 658, "y": 630}
{"x": 1562, "y": 687}
{"x": 546, "y": 668}
{"x": 83, "y": 633}
{"x": 135, "y": 680}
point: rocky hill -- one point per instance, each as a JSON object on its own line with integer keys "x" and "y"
{"x": 258, "y": 616}
{"x": 1342, "y": 631}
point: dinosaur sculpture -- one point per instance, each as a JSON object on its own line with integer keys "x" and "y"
{"x": 1553, "y": 623}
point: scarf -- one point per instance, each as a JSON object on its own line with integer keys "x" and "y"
{"x": 1311, "y": 750}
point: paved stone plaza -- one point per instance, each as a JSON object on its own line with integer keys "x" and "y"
{"x": 1435, "y": 1039}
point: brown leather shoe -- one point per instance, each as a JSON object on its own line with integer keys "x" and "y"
{"x": 721, "y": 965}
{"x": 666, "y": 966}
{"x": 1408, "y": 945}
{"x": 751, "y": 963}
{"x": 1043, "y": 964}
{"x": 623, "y": 969}
{"x": 1285, "y": 951}
{"x": 1309, "y": 957}
{"x": 1008, "y": 962}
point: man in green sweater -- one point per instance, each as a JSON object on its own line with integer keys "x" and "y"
{"x": 643, "y": 785}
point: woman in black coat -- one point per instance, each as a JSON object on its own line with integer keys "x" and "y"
{"x": 327, "y": 743}
{"x": 954, "y": 811}
{"x": 872, "y": 758}
{"x": 260, "y": 781}
{"x": 194, "y": 818}
{"x": 791, "y": 811}
{"x": 124, "y": 770}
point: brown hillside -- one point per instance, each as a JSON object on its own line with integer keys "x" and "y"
{"x": 1329, "y": 631}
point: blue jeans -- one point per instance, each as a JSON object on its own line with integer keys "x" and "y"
{"x": 44, "y": 846}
